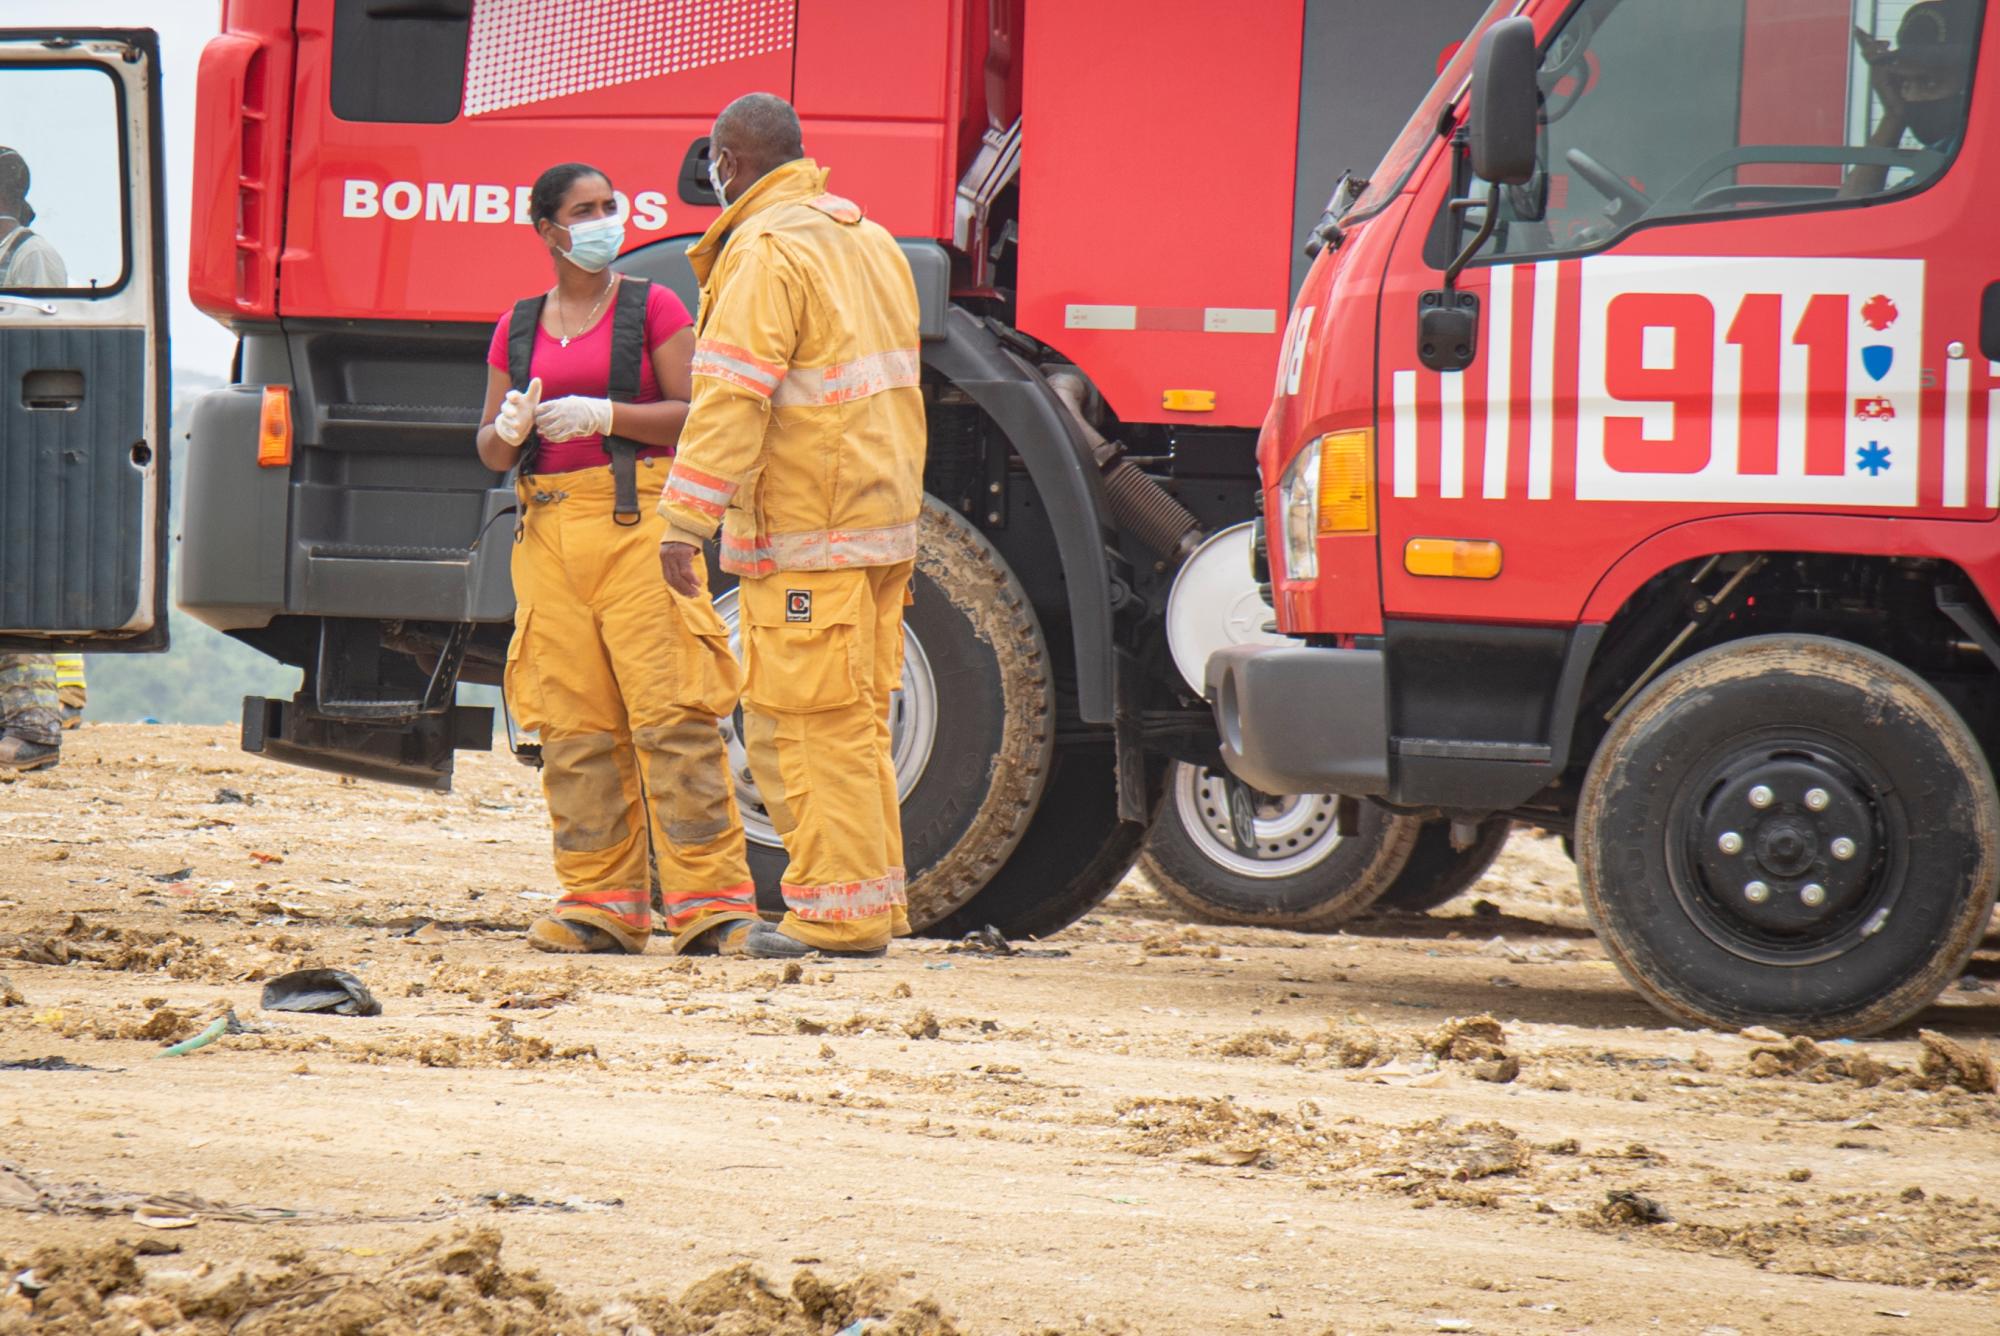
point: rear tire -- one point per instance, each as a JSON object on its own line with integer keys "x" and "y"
{"x": 975, "y": 724}
{"x": 1437, "y": 873}
{"x": 1304, "y": 874}
{"x": 1075, "y": 853}
{"x": 1789, "y": 831}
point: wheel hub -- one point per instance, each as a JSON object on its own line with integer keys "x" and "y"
{"x": 1293, "y": 833}
{"x": 1787, "y": 843}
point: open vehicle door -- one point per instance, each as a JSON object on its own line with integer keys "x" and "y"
{"x": 84, "y": 412}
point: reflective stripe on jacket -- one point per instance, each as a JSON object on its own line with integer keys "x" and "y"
{"x": 805, "y": 440}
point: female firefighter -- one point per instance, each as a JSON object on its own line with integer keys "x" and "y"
{"x": 586, "y": 389}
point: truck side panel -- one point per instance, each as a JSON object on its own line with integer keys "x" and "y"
{"x": 1191, "y": 151}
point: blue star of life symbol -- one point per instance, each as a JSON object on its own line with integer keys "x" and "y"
{"x": 1873, "y": 457}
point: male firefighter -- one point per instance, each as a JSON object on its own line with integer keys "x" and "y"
{"x": 805, "y": 441}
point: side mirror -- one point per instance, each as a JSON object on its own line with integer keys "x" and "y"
{"x": 1501, "y": 122}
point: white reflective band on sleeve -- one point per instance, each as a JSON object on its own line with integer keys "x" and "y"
{"x": 1239, "y": 320}
{"x": 897, "y": 369}
{"x": 1100, "y": 317}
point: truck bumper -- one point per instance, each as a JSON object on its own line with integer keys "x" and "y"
{"x": 1295, "y": 719}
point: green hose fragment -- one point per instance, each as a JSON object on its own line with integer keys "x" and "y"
{"x": 214, "y": 1032}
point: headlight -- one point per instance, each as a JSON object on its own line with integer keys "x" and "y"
{"x": 1330, "y": 488}
{"x": 1298, "y": 494}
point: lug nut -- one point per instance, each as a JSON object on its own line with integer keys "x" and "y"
{"x": 1730, "y": 843}
{"x": 1817, "y": 799}
{"x": 1812, "y": 895}
{"x": 1756, "y": 892}
{"x": 1761, "y": 796}
{"x": 1843, "y": 848}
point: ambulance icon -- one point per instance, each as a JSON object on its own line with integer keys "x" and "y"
{"x": 1876, "y": 409}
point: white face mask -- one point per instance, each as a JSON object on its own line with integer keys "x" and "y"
{"x": 715, "y": 183}
{"x": 595, "y": 244}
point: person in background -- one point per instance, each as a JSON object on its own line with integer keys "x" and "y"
{"x": 1922, "y": 82}
{"x": 30, "y": 713}
{"x": 27, "y": 260}
{"x": 805, "y": 442}
{"x": 626, "y": 681}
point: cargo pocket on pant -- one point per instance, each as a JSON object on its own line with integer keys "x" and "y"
{"x": 801, "y": 633}
{"x": 521, "y": 680}
{"x": 706, "y": 674}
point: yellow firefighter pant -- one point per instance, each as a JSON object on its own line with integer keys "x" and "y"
{"x": 626, "y": 682}
{"x": 69, "y": 681}
{"x": 822, "y": 651}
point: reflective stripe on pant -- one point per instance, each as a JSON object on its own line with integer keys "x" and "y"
{"x": 29, "y": 706}
{"x": 626, "y": 682}
{"x": 822, "y": 651}
{"x": 69, "y": 681}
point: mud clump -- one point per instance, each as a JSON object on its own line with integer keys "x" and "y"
{"x": 1478, "y": 1041}
{"x": 1948, "y": 1062}
{"x": 164, "y": 1026}
{"x": 1943, "y": 1063}
{"x": 452, "y": 1285}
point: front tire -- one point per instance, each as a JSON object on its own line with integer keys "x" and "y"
{"x": 973, "y": 726}
{"x": 1789, "y": 831}
{"x": 1303, "y": 873}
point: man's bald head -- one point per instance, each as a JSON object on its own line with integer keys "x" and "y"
{"x": 759, "y": 133}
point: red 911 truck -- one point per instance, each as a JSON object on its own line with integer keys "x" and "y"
{"x": 1103, "y": 205}
{"x": 1633, "y": 469}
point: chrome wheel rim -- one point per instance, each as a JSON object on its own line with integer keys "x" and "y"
{"x": 1295, "y": 833}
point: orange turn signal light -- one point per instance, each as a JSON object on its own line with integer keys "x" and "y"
{"x": 274, "y": 428}
{"x": 1453, "y": 558}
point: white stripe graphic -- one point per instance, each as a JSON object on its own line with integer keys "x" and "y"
{"x": 1100, "y": 317}
{"x": 1957, "y": 411}
{"x": 1404, "y": 394}
{"x": 1239, "y": 320}
{"x": 1993, "y": 440}
{"x": 1451, "y": 464}
{"x": 1542, "y": 403}
{"x": 1499, "y": 379}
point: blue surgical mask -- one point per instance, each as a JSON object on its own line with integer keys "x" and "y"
{"x": 715, "y": 183}
{"x": 596, "y": 243}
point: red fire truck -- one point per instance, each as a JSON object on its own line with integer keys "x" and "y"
{"x": 1633, "y": 470}
{"x": 1103, "y": 206}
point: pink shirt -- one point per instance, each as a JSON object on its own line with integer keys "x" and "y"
{"x": 585, "y": 368}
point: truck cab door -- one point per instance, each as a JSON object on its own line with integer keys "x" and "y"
{"x": 83, "y": 342}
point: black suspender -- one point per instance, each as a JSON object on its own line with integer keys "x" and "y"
{"x": 628, "y": 354}
{"x": 521, "y": 327}
{"x": 628, "y": 357}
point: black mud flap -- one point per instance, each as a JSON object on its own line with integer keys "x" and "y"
{"x": 416, "y": 753}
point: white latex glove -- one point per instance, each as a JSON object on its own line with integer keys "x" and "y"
{"x": 574, "y": 415}
{"x": 517, "y": 413}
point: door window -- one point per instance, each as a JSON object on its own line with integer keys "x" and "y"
{"x": 1654, "y": 109}
{"x": 62, "y": 180}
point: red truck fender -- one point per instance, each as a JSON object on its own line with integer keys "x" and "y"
{"x": 1974, "y": 548}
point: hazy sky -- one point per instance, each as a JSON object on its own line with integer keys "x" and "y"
{"x": 183, "y": 25}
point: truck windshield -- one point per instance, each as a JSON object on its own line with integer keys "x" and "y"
{"x": 1401, "y": 159}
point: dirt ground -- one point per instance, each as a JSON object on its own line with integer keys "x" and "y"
{"x": 1463, "y": 1123}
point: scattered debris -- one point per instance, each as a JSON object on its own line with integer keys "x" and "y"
{"x": 223, "y": 796}
{"x": 990, "y": 941}
{"x": 179, "y": 874}
{"x": 336, "y": 991}
{"x": 52, "y": 1063}
{"x": 222, "y": 1025}
{"x": 1623, "y": 1207}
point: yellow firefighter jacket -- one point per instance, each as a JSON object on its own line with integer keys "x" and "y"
{"x": 806, "y": 434}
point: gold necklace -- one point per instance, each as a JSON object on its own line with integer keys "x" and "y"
{"x": 563, "y": 318}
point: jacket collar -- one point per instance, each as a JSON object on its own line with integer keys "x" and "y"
{"x": 799, "y": 179}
